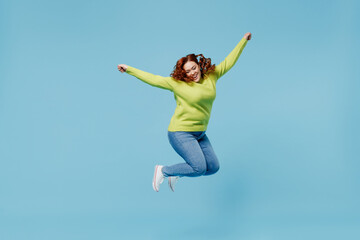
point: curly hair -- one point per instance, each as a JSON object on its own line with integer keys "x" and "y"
{"x": 204, "y": 64}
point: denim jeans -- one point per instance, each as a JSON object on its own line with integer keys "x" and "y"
{"x": 195, "y": 148}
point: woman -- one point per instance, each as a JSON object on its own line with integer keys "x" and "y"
{"x": 193, "y": 83}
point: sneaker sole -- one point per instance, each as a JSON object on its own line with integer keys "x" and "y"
{"x": 170, "y": 185}
{"x": 154, "y": 179}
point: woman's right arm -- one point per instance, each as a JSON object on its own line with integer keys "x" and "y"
{"x": 153, "y": 80}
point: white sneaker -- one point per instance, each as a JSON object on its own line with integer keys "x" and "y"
{"x": 172, "y": 182}
{"x": 158, "y": 177}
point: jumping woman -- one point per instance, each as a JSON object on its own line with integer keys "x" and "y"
{"x": 193, "y": 82}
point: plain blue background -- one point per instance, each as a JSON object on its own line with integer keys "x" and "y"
{"x": 79, "y": 140}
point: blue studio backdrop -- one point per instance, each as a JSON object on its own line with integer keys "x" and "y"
{"x": 79, "y": 140}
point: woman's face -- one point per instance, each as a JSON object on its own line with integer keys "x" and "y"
{"x": 192, "y": 70}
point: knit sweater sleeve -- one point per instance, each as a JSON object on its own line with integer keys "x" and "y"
{"x": 151, "y": 79}
{"x": 230, "y": 60}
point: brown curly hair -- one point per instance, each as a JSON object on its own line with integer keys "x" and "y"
{"x": 204, "y": 64}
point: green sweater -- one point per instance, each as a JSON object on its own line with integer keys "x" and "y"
{"x": 193, "y": 100}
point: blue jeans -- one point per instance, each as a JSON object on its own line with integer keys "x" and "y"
{"x": 195, "y": 148}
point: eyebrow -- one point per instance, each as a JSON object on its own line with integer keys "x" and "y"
{"x": 189, "y": 68}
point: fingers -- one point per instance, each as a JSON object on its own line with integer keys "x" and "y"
{"x": 249, "y": 36}
{"x": 121, "y": 68}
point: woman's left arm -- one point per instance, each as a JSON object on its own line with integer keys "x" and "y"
{"x": 231, "y": 59}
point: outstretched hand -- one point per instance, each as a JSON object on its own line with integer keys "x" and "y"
{"x": 122, "y": 67}
{"x": 247, "y": 36}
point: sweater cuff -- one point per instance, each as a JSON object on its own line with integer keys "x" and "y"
{"x": 129, "y": 69}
